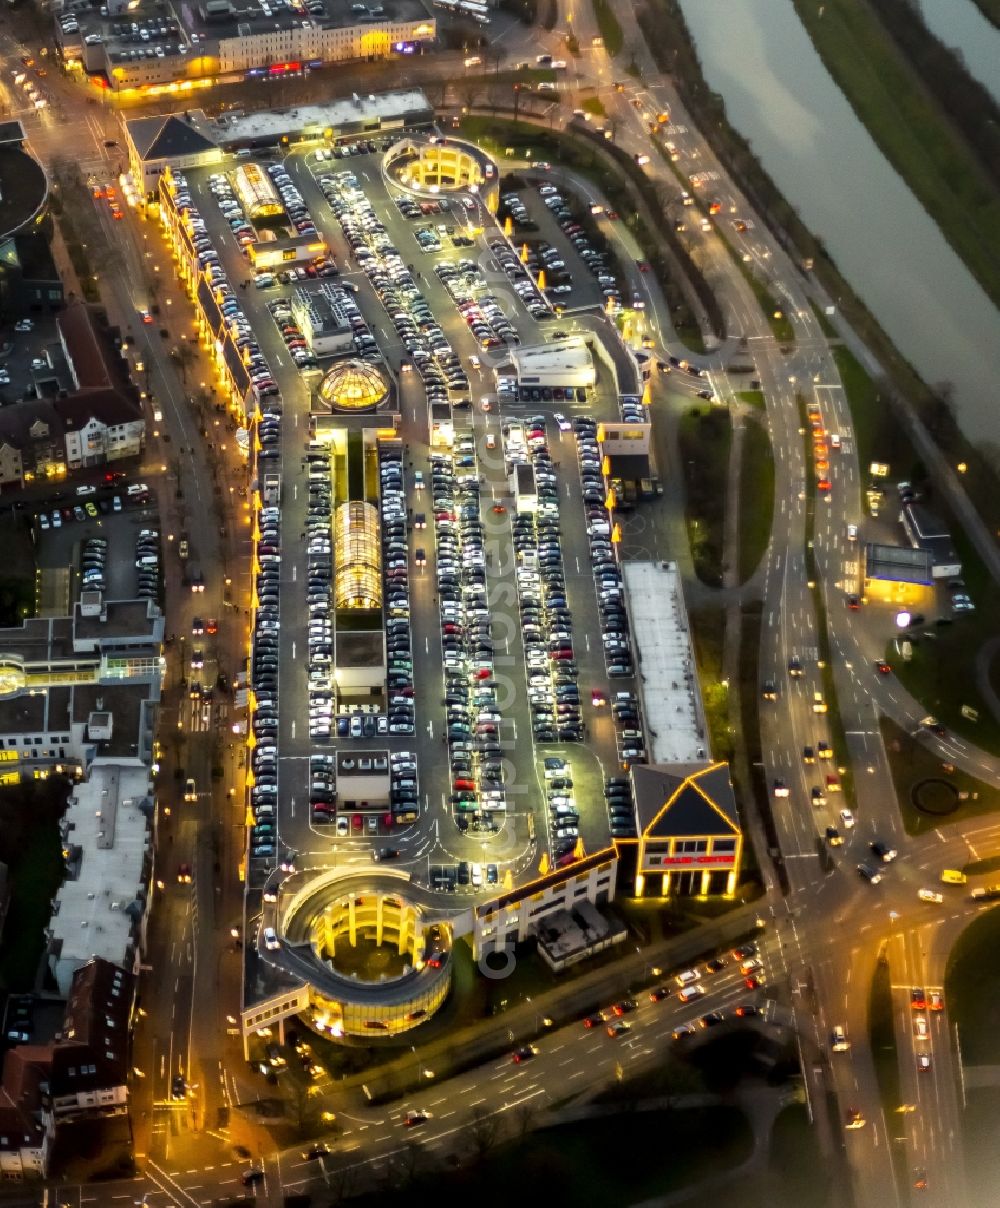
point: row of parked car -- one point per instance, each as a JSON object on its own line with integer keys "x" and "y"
{"x": 472, "y": 715}
{"x": 147, "y": 562}
{"x": 208, "y": 259}
{"x": 319, "y": 577}
{"x": 323, "y": 788}
{"x": 598, "y": 262}
{"x": 547, "y": 624}
{"x": 607, "y": 573}
{"x": 621, "y": 807}
{"x": 264, "y": 670}
{"x": 291, "y": 333}
{"x": 479, "y": 308}
{"x": 392, "y": 279}
{"x": 519, "y": 277}
{"x": 93, "y": 555}
{"x": 295, "y": 207}
{"x": 396, "y": 568}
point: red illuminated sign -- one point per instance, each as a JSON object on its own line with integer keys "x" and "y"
{"x": 280, "y": 68}
{"x": 716, "y": 859}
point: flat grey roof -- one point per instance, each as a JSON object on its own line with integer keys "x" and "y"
{"x": 900, "y": 563}
{"x": 235, "y": 128}
{"x": 671, "y": 697}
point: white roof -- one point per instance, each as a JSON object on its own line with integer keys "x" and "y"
{"x": 386, "y": 106}
{"x": 668, "y": 678}
{"x": 109, "y": 826}
{"x": 571, "y": 355}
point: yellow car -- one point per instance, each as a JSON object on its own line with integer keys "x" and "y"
{"x": 951, "y": 876}
{"x": 819, "y": 704}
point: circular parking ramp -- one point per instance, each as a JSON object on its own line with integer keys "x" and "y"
{"x": 431, "y": 166}
{"x": 373, "y": 948}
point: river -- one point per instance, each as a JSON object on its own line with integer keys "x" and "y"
{"x": 960, "y": 25}
{"x": 779, "y": 95}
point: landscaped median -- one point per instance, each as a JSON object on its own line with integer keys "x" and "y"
{"x": 971, "y": 992}
{"x": 704, "y": 437}
{"x": 756, "y": 497}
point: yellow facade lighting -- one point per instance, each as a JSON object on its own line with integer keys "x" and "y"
{"x": 541, "y": 278}
{"x": 606, "y": 465}
{"x": 508, "y": 226}
{"x": 611, "y": 500}
{"x": 544, "y": 866}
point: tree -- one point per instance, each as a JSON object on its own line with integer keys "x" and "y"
{"x": 183, "y": 356}
{"x": 304, "y": 1109}
{"x": 483, "y": 1132}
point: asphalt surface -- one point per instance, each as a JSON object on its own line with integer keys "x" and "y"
{"x": 832, "y": 957}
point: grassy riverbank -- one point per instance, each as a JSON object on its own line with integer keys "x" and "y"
{"x": 912, "y": 131}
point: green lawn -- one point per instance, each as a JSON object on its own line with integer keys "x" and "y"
{"x": 941, "y": 672}
{"x": 882, "y": 1036}
{"x": 615, "y": 1160}
{"x": 708, "y": 628}
{"x": 972, "y": 989}
{"x": 609, "y": 25}
{"x": 795, "y": 1162}
{"x": 972, "y": 995}
{"x": 825, "y": 323}
{"x": 979, "y": 1138}
{"x": 752, "y": 398}
{"x": 705, "y": 437}
{"x": 990, "y": 10}
{"x": 876, "y": 429}
{"x": 594, "y": 105}
{"x": 912, "y": 131}
{"x": 911, "y": 763}
{"x": 756, "y": 497}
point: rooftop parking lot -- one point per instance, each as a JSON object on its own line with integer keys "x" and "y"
{"x": 491, "y": 736}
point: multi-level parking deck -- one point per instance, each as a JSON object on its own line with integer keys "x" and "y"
{"x": 434, "y": 692}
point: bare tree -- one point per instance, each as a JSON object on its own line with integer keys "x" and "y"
{"x": 483, "y": 1132}
{"x": 526, "y": 1116}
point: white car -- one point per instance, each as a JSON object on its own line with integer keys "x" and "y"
{"x": 928, "y": 895}
{"x": 690, "y": 992}
{"x": 686, "y": 977}
{"x": 271, "y": 941}
{"x": 846, "y": 819}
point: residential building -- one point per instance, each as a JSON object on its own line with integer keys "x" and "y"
{"x": 78, "y": 408}
{"x": 66, "y": 1098}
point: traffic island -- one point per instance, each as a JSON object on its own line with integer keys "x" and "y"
{"x": 929, "y": 790}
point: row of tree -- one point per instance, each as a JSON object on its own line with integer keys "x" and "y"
{"x": 943, "y": 73}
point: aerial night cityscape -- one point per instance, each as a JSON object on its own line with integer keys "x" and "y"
{"x": 499, "y": 695}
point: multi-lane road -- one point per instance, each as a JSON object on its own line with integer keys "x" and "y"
{"x": 837, "y": 926}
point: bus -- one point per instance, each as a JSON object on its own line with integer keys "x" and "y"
{"x": 257, "y": 193}
{"x": 478, "y": 12}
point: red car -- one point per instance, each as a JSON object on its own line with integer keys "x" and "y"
{"x": 462, "y": 783}
{"x": 883, "y": 667}
{"x": 594, "y": 1021}
{"x": 357, "y": 822}
{"x": 824, "y": 484}
{"x": 752, "y": 983}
